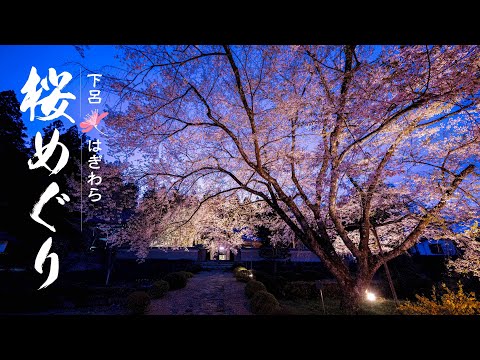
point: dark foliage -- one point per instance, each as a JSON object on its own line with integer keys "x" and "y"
{"x": 253, "y": 287}
{"x": 176, "y": 280}
{"x": 137, "y": 302}
{"x": 243, "y": 275}
{"x": 274, "y": 284}
{"x": 238, "y": 269}
{"x": 187, "y": 274}
{"x": 264, "y": 303}
{"x": 301, "y": 290}
{"x": 159, "y": 289}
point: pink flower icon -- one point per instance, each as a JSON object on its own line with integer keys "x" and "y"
{"x": 92, "y": 120}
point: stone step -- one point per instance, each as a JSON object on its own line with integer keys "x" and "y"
{"x": 216, "y": 265}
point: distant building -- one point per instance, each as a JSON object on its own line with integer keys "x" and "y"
{"x": 425, "y": 247}
{"x": 250, "y": 252}
{"x": 5, "y": 239}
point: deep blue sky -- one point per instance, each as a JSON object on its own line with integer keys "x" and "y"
{"x": 17, "y": 60}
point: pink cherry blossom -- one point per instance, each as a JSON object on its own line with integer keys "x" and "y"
{"x": 92, "y": 121}
{"x": 350, "y": 146}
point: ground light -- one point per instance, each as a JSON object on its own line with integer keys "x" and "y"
{"x": 371, "y": 296}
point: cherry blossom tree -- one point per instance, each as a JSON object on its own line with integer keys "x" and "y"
{"x": 169, "y": 220}
{"x": 361, "y": 149}
{"x": 468, "y": 242}
{"x": 118, "y": 200}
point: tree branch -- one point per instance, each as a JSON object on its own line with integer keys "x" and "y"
{"x": 412, "y": 238}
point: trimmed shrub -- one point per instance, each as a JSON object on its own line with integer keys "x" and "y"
{"x": 238, "y": 269}
{"x": 264, "y": 303}
{"x": 244, "y": 276}
{"x": 254, "y": 286}
{"x": 138, "y": 302}
{"x": 176, "y": 280}
{"x": 286, "y": 310}
{"x": 447, "y": 303}
{"x": 194, "y": 268}
{"x": 274, "y": 284}
{"x": 301, "y": 290}
{"x": 277, "y": 286}
{"x": 159, "y": 289}
{"x": 187, "y": 274}
{"x": 331, "y": 289}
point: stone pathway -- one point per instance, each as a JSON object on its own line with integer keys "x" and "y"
{"x": 207, "y": 293}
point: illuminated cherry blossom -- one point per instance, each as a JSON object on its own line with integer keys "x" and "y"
{"x": 351, "y": 146}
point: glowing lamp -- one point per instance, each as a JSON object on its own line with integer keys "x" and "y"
{"x": 370, "y": 296}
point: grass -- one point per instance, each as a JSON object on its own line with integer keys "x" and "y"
{"x": 332, "y": 307}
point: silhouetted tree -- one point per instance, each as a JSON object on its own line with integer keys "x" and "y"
{"x": 15, "y": 179}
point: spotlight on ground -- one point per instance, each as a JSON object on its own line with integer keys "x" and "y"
{"x": 371, "y": 296}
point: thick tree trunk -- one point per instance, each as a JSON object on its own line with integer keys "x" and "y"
{"x": 354, "y": 293}
{"x": 350, "y": 301}
{"x": 352, "y": 285}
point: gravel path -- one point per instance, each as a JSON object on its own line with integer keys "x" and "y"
{"x": 207, "y": 293}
